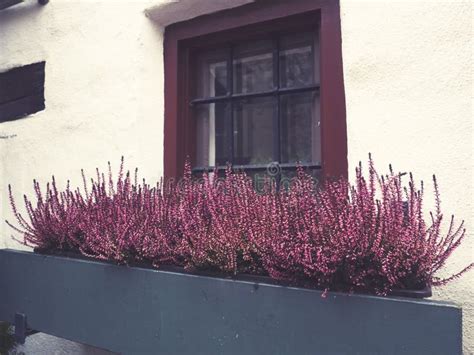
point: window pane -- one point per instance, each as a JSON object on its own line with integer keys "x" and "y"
{"x": 212, "y": 73}
{"x": 297, "y": 62}
{"x": 253, "y": 67}
{"x": 253, "y": 131}
{"x": 300, "y": 128}
{"x": 212, "y": 140}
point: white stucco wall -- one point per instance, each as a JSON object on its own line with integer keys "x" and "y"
{"x": 103, "y": 91}
{"x": 408, "y": 72}
{"x": 408, "y": 78}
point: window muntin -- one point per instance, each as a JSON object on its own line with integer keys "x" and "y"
{"x": 260, "y": 105}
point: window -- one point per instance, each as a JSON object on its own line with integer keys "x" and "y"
{"x": 257, "y": 102}
{"x": 21, "y": 91}
{"x": 256, "y": 85}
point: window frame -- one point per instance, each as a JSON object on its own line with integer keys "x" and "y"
{"x": 249, "y": 22}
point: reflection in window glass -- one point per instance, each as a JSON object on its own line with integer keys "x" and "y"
{"x": 212, "y": 136}
{"x": 212, "y": 73}
{"x": 253, "y": 67}
{"x": 300, "y": 129}
{"x": 253, "y": 131}
{"x": 298, "y": 65}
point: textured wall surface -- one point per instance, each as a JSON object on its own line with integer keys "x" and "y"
{"x": 408, "y": 71}
{"x": 408, "y": 77}
{"x": 103, "y": 93}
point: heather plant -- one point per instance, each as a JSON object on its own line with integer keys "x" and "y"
{"x": 215, "y": 217}
{"x": 122, "y": 221}
{"x": 369, "y": 236}
{"x": 126, "y": 221}
{"x": 54, "y": 220}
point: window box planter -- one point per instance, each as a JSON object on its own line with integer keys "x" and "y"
{"x": 418, "y": 293}
{"x": 134, "y": 310}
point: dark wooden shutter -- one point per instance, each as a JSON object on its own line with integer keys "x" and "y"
{"x": 21, "y": 91}
{"x": 7, "y": 3}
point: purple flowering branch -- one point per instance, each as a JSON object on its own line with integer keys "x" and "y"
{"x": 369, "y": 236}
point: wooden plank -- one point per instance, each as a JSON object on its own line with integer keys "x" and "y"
{"x": 22, "y": 91}
{"x": 7, "y": 3}
{"x": 20, "y": 108}
{"x": 22, "y": 81}
{"x": 16, "y": 90}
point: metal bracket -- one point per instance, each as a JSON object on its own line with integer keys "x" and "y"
{"x": 20, "y": 328}
{"x": 8, "y": 3}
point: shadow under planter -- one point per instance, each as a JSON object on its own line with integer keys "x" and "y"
{"x": 133, "y": 310}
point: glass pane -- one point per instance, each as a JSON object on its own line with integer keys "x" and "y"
{"x": 300, "y": 128}
{"x": 297, "y": 62}
{"x": 212, "y": 73}
{"x": 212, "y": 135}
{"x": 253, "y": 131}
{"x": 253, "y": 67}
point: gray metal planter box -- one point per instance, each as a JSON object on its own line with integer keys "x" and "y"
{"x": 142, "y": 311}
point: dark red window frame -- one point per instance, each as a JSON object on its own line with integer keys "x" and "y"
{"x": 182, "y": 39}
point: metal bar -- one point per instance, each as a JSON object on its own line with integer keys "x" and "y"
{"x": 296, "y": 90}
{"x": 256, "y": 94}
{"x": 235, "y": 167}
{"x": 230, "y": 90}
{"x": 292, "y": 166}
{"x": 210, "y": 100}
{"x": 276, "y": 113}
{"x": 286, "y": 166}
{"x": 313, "y": 58}
{"x": 20, "y": 328}
{"x": 276, "y": 116}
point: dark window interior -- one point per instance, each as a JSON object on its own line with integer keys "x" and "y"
{"x": 257, "y": 103}
{"x": 21, "y": 91}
